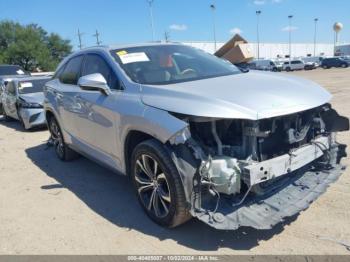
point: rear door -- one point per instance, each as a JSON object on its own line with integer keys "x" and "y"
{"x": 67, "y": 93}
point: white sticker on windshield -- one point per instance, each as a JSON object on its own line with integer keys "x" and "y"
{"x": 133, "y": 57}
{"x": 20, "y": 72}
{"x": 25, "y": 84}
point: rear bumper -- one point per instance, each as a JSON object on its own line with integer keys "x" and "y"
{"x": 292, "y": 194}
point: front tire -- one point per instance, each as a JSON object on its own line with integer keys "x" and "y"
{"x": 288, "y": 69}
{"x": 158, "y": 185}
{"x": 62, "y": 150}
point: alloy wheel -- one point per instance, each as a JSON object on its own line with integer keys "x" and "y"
{"x": 152, "y": 186}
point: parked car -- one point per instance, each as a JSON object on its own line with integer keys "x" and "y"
{"x": 23, "y": 99}
{"x": 198, "y": 137}
{"x": 310, "y": 66}
{"x": 313, "y": 59}
{"x": 293, "y": 65}
{"x": 346, "y": 58}
{"x": 7, "y": 72}
{"x": 334, "y": 62}
{"x": 267, "y": 65}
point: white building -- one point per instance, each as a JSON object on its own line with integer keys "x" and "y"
{"x": 343, "y": 49}
{"x": 275, "y": 50}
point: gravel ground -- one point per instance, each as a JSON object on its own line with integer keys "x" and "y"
{"x": 51, "y": 207}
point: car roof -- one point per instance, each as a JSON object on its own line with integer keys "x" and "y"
{"x": 121, "y": 46}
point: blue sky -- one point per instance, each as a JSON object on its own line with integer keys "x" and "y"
{"x": 128, "y": 21}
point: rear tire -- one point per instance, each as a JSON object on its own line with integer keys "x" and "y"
{"x": 288, "y": 69}
{"x": 158, "y": 185}
{"x": 344, "y": 65}
{"x": 62, "y": 150}
{"x": 325, "y": 67}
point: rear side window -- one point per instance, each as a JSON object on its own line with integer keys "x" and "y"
{"x": 71, "y": 72}
{"x": 296, "y": 62}
{"x": 96, "y": 64}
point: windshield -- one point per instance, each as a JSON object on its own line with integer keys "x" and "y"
{"x": 32, "y": 86}
{"x": 169, "y": 64}
{"x": 11, "y": 70}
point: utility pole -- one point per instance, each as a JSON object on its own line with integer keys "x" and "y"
{"x": 213, "y": 8}
{"x": 290, "y": 36}
{"x": 97, "y": 35}
{"x": 257, "y": 31}
{"x": 315, "y": 33}
{"x": 166, "y": 36}
{"x": 150, "y": 3}
{"x": 79, "y": 37}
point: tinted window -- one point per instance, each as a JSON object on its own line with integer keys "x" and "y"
{"x": 296, "y": 62}
{"x": 32, "y": 86}
{"x": 12, "y": 70}
{"x": 71, "y": 72}
{"x": 166, "y": 64}
{"x": 59, "y": 72}
{"x": 96, "y": 64}
{"x": 286, "y": 63}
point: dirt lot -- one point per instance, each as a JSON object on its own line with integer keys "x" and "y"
{"x": 51, "y": 207}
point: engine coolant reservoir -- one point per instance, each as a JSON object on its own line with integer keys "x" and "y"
{"x": 225, "y": 172}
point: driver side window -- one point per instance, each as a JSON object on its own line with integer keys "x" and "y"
{"x": 96, "y": 64}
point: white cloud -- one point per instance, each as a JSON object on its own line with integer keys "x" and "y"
{"x": 178, "y": 27}
{"x": 276, "y": 1}
{"x": 289, "y": 28}
{"x": 235, "y": 30}
{"x": 259, "y": 2}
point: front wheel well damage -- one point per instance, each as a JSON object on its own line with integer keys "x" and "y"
{"x": 133, "y": 138}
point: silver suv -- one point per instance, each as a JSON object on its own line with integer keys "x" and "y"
{"x": 198, "y": 137}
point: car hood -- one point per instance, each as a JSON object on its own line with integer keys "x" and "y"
{"x": 253, "y": 95}
{"x": 33, "y": 97}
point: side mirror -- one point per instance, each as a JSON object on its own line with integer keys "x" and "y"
{"x": 94, "y": 82}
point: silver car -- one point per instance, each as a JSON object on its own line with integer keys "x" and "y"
{"x": 198, "y": 137}
{"x": 22, "y": 99}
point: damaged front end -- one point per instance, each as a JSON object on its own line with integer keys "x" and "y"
{"x": 255, "y": 173}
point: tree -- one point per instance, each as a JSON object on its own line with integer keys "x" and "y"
{"x": 31, "y": 47}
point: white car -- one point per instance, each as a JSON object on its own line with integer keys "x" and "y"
{"x": 293, "y": 65}
{"x": 267, "y": 65}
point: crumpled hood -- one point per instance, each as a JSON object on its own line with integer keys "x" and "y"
{"x": 254, "y": 95}
{"x": 33, "y": 97}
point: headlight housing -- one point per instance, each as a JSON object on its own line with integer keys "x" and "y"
{"x": 24, "y": 104}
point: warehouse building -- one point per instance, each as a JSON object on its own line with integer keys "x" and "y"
{"x": 275, "y": 50}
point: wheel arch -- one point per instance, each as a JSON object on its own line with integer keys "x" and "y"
{"x": 132, "y": 139}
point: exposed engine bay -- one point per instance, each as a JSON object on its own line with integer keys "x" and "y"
{"x": 239, "y": 161}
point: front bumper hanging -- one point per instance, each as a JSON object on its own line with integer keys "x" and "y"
{"x": 288, "y": 197}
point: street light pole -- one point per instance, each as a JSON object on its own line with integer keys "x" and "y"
{"x": 290, "y": 36}
{"x": 150, "y": 3}
{"x": 212, "y": 6}
{"x": 315, "y": 33}
{"x": 257, "y": 31}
